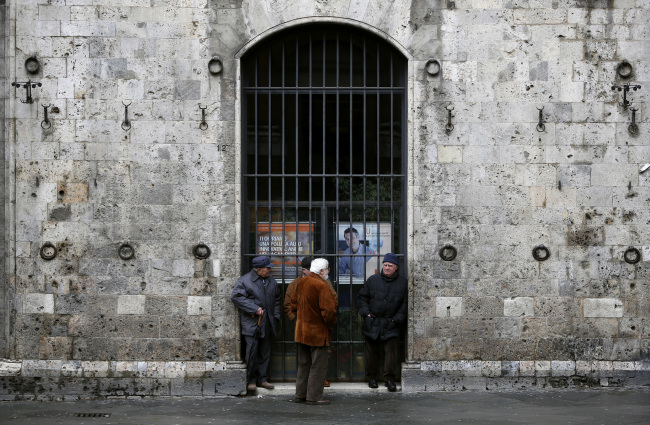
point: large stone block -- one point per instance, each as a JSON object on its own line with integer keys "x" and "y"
{"x": 603, "y": 307}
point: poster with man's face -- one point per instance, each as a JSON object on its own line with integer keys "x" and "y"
{"x": 359, "y": 246}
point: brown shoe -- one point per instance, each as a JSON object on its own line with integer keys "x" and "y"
{"x": 251, "y": 387}
{"x": 327, "y": 383}
{"x": 266, "y": 385}
{"x": 317, "y": 402}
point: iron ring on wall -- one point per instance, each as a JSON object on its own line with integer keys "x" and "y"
{"x": 126, "y": 251}
{"x": 448, "y": 256}
{"x": 48, "y": 251}
{"x": 202, "y": 251}
{"x": 632, "y": 255}
{"x": 541, "y": 253}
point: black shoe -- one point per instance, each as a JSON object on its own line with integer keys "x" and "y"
{"x": 373, "y": 383}
{"x": 320, "y": 402}
{"x": 298, "y": 400}
{"x": 391, "y": 386}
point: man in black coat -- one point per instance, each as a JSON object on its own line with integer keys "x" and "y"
{"x": 257, "y": 296}
{"x": 382, "y": 306}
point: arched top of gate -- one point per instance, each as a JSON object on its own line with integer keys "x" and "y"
{"x": 322, "y": 20}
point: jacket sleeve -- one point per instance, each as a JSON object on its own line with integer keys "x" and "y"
{"x": 287, "y": 300}
{"x": 240, "y": 298}
{"x": 333, "y": 292}
{"x": 276, "y": 304}
{"x": 400, "y": 314}
{"x": 327, "y": 304}
{"x": 364, "y": 298}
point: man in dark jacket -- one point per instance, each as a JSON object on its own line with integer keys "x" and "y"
{"x": 257, "y": 295}
{"x": 382, "y": 306}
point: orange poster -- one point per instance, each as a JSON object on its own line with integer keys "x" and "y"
{"x": 289, "y": 242}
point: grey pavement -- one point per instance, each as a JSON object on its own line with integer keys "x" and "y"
{"x": 350, "y": 405}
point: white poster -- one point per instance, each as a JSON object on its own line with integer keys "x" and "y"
{"x": 360, "y": 248}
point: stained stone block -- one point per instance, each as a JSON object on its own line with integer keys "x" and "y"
{"x": 199, "y": 306}
{"x": 603, "y": 307}
{"x": 38, "y": 303}
{"x": 449, "y": 306}
{"x": 518, "y": 307}
{"x": 131, "y": 304}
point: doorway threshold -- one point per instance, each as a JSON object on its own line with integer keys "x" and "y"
{"x": 289, "y": 388}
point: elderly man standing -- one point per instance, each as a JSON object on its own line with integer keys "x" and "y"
{"x": 305, "y": 264}
{"x": 315, "y": 310}
{"x": 382, "y": 306}
{"x": 257, "y": 295}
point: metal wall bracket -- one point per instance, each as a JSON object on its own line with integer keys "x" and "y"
{"x": 449, "y": 127}
{"x": 126, "y": 124}
{"x": 633, "y": 128}
{"x": 28, "y": 86}
{"x": 203, "y": 125}
{"x": 626, "y": 88}
{"x": 540, "y": 124}
{"x": 45, "y": 124}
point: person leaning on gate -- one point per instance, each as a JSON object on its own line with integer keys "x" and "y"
{"x": 315, "y": 310}
{"x": 257, "y": 296}
{"x": 305, "y": 264}
{"x": 382, "y": 306}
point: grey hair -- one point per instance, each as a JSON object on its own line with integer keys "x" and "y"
{"x": 319, "y": 264}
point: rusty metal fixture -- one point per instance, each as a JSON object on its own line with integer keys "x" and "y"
{"x": 32, "y": 65}
{"x": 633, "y": 128}
{"x": 632, "y": 255}
{"x": 45, "y": 124}
{"x": 126, "y": 251}
{"x": 541, "y": 253}
{"x": 202, "y": 251}
{"x": 28, "y": 86}
{"x": 624, "y": 69}
{"x": 433, "y": 67}
{"x": 203, "y": 125}
{"x": 626, "y": 88}
{"x": 540, "y": 124}
{"x": 48, "y": 251}
{"x": 448, "y": 253}
{"x": 126, "y": 124}
{"x": 215, "y": 66}
{"x": 449, "y": 127}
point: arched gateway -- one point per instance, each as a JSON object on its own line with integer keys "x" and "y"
{"x": 324, "y": 168}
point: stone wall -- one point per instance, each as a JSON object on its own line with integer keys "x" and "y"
{"x": 4, "y": 311}
{"x": 493, "y": 187}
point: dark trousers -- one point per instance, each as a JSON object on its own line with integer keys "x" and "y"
{"x": 258, "y": 355}
{"x": 373, "y": 354}
{"x": 312, "y": 369}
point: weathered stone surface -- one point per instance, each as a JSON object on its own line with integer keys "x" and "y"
{"x": 494, "y": 187}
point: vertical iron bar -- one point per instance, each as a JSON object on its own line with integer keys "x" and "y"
{"x": 365, "y": 140}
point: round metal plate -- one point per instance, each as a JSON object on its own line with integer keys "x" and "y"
{"x": 126, "y": 251}
{"x": 48, "y": 251}
{"x": 215, "y": 66}
{"x": 624, "y": 69}
{"x": 632, "y": 255}
{"x": 32, "y": 65}
{"x": 202, "y": 251}
{"x": 448, "y": 253}
{"x": 541, "y": 253}
{"x": 432, "y": 67}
